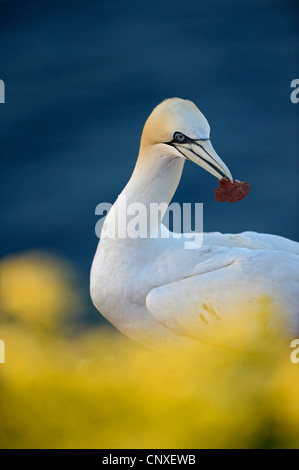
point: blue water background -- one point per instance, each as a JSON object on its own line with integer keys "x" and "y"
{"x": 81, "y": 79}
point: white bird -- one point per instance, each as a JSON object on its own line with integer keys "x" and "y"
{"x": 156, "y": 291}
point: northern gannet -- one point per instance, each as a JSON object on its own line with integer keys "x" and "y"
{"x": 156, "y": 291}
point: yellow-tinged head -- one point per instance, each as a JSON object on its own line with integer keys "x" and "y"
{"x": 184, "y": 132}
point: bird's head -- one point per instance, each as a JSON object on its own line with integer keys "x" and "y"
{"x": 184, "y": 132}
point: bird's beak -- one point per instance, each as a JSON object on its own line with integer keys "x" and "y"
{"x": 202, "y": 153}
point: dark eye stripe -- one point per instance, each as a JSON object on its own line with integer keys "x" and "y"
{"x": 187, "y": 140}
{"x": 179, "y": 137}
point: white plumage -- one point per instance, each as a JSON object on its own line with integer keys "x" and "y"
{"x": 156, "y": 291}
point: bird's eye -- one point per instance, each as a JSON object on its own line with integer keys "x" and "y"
{"x": 179, "y": 137}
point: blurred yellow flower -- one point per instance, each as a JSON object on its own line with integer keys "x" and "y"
{"x": 99, "y": 390}
{"x": 35, "y": 288}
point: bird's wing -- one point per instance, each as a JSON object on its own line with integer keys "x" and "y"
{"x": 250, "y": 240}
{"x": 226, "y": 286}
{"x": 273, "y": 242}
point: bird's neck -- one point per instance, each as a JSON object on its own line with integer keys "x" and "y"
{"x": 154, "y": 181}
{"x": 155, "y": 178}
